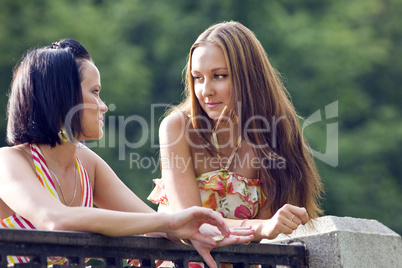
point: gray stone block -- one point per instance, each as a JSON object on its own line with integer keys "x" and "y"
{"x": 347, "y": 242}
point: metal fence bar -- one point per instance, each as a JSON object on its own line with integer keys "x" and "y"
{"x": 77, "y": 247}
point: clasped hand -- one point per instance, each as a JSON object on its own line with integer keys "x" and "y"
{"x": 201, "y": 225}
{"x": 285, "y": 220}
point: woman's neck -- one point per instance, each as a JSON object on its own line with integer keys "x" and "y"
{"x": 227, "y": 130}
{"x": 61, "y": 156}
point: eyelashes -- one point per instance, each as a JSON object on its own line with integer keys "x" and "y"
{"x": 216, "y": 76}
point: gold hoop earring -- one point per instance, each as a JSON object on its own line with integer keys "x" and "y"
{"x": 63, "y": 136}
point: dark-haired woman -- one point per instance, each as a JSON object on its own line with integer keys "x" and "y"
{"x": 49, "y": 180}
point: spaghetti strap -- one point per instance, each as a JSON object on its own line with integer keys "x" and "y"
{"x": 217, "y": 148}
{"x": 44, "y": 177}
{"x": 231, "y": 155}
{"x": 233, "y": 152}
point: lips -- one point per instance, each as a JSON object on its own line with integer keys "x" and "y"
{"x": 212, "y": 104}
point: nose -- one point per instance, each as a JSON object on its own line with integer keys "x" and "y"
{"x": 207, "y": 89}
{"x": 103, "y": 107}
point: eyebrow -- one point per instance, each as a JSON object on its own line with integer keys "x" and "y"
{"x": 216, "y": 69}
{"x": 213, "y": 70}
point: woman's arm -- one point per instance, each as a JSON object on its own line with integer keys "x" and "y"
{"x": 22, "y": 193}
{"x": 182, "y": 190}
{"x": 285, "y": 221}
{"x": 178, "y": 171}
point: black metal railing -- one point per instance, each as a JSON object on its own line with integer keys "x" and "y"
{"x": 113, "y": 251}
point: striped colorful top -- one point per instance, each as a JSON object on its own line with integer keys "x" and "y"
{"x": 42, "y": 172}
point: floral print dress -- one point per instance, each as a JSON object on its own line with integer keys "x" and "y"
{"x": 234, "y": 196}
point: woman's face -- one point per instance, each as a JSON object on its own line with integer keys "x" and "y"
{"x": 94, "y": 107}
{"x": 212, "y": 82}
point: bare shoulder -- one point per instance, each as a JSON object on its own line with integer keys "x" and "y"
{"x": 14, "y": 161}
{"x": 90, "y": 160}
{"x": 87, "y": 156}
{"x": 11, "y": 154}
{"x": 176, "y": 120}
{"x": 173, "y": 127}
{"x": 84, "y": 151}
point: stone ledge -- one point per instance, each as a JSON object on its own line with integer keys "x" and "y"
{"x": 347, "y": 242}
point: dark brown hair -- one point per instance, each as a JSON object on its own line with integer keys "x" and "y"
{"x": 46, "y": 86}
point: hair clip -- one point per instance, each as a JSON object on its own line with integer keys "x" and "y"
{"x": 55, "y": 45}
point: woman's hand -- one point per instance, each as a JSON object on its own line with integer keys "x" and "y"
{"x": 186, "y": 224}
{"x": 285, "y": 221}
{"x": 190, "y": 224}
{"x": 237, "y": 235}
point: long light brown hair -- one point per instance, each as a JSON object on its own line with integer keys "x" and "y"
{"x": 258, "y": 92}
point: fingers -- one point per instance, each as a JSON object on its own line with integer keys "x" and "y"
{"x": 235, "y": 239}
{"x": 289, "y": 223}
{"x": 296, "y": 219}
{"x": 215, "y": 218}
{"x": 206, "y": 239}
{"x": 200, "y": 215}
{"x": 243, "y": 236}
{"x": 300, "y": 214}
{"x": 241, "y": 231}
{"x": 208, "y": 259}
{"x": 221, "y": 224}
{"x": 287, "y": 219}
{"x": 237, "y": 235}
{"x": 294, "y": 214}
{"x": 204, "y": 251}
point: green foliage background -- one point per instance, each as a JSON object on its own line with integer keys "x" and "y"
{"x": 327, "y": 51}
